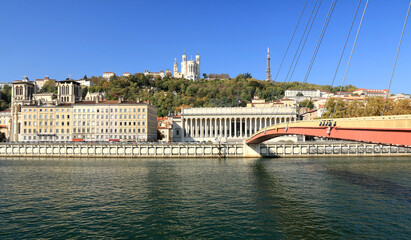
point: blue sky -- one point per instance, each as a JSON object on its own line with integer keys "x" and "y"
{"x": 58, "y": 38}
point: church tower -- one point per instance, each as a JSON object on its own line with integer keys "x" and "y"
{"x": 268, "y": 71}
{"x": 184, "y": 65}
{"x": 198, "y": 65}
{"x": 21, "y": 94}
{"x": 175, "y": 69}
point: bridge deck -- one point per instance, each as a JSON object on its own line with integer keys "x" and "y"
{"x": 386, "y": 129}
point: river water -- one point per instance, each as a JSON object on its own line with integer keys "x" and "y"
{"x": 295, "y": 198}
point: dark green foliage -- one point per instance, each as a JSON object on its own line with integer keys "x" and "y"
{"x": 84, "y": 91}
{"x": 5, "y": 97}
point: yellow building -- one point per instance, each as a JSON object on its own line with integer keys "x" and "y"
{"x": 89, "y": 121}
{"x": 45, "y": 123}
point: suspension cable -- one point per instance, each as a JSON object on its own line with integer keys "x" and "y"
{"x": 320, "y": 39}
{"x": 305, "y": 40}
{"x": 396, "y": 57}
{"x": 349, "y": 60}
{"x": 289, "y": 44}
{"x": 345, "y": 45}
{"x": 301, "y": 40}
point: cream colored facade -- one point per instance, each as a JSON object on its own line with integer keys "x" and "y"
{"x": 45, "y": 123}
{"x": 5, "y": 122}
{"x": 113, "y": 120}
{"x": 108, "y": 75}
{"x": 89, "y": 121}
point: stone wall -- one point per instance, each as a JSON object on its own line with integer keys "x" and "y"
{"x": 198, "y": 150}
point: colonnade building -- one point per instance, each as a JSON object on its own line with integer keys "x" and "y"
{"x": 231, "y": 124}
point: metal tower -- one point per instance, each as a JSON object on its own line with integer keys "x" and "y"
{"x": 268, "y": 71}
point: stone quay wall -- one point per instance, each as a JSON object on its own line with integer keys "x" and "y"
{"x": 193, "y": 150}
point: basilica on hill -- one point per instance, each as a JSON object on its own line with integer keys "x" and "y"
{"x": 189, "y": 69}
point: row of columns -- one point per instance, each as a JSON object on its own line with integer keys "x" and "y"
{"x": 228, "y": 127}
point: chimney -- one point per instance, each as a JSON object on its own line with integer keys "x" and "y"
{"x": 97, "y": 100}
{"x": 120, "y": 99}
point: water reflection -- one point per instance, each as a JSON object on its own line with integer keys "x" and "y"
{"x": 204, "y": 198}
{"x": 374, "y": 184}
{"x": 286, "y": 210}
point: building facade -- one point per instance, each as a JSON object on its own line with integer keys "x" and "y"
{"x": 5, "y": 122}
{"x": 372, "y": 92}
{"x": 161, "y": 74}
{"x": 64, "y": 117}
{"x": 227, "y": 124}
{"x": 292, "y": 93}
{"x": 108, "y": 75}
{"x": 189, "y": 69}
{"x": 89, "y": 121}
{"x": 165, "y": 127}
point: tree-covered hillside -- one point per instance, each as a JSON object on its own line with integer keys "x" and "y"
{"x": 168, "y": 94}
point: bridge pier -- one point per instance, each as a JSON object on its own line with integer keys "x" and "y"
{"x": 252, "y": 150}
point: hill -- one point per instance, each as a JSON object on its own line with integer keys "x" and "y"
{"x": 169, "y": 94}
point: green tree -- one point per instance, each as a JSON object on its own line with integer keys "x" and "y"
{"x": 306, "y": 103}
{"x": 247, "y": 75}
{"x": 84, "y": 92}
{"x": 204, "y": 75}
{"x": 49, "y": 87}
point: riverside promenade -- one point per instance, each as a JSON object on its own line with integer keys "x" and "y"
{"x": 200, "y": 150}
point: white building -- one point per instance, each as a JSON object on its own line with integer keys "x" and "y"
{"x": 232, "y": 124}
{"x": 189, "y": 69}
{"x": 155, "y": 74}
{"x": 108, "y": 75}
{"x": 85, "y": 82}
{"x": 302, "y": 92}
{"x": 372, "y": 92}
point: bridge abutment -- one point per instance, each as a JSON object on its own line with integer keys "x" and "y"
{"x": 252, "y": 150}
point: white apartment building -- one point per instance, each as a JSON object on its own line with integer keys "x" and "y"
{"x": 292, "y": 93}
